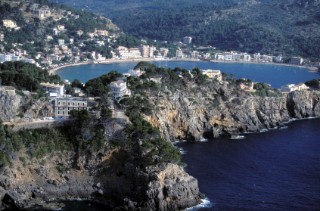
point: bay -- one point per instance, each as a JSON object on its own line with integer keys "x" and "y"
{"x": 276, "y": 75}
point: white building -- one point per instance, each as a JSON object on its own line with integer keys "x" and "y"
{"x": 213, "y": 74}
{"x": 119, "y": 89}
{"x": 8, "y": 58}
{"x": 128, "y": 53}
{"x": 9, "y": 23}
{"x": 61, "y": 42}
{"x": 179, "y": 53}
{"x": 293, "y": 87}
{"x": 54, "y": 90}
{"x": 195, "y": 54}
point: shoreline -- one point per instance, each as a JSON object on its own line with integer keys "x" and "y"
{"x": 54, "y": 71}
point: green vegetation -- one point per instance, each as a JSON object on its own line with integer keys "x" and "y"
{"x": 265, "y": 90}
{"x": 37, "y": 143}
{"x": 25, "y": 76}
{"x": 275, "y": 27}
{"x": 314, "y": 84}
{"x": 32, "y": 33}
{"x": 99, "y": 86}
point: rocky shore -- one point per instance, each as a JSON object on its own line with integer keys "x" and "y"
{"x": 166, "y": 187}
{"x": 214, "y": 109}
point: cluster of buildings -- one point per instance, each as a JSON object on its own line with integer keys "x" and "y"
{"x": 143, "y": 51}
{"x": 234, "y": 56}
{"x": 12, "y": 57}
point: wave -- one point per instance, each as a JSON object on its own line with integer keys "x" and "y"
{"x": 203, "y": 140}
{"x": 206, "y": 203}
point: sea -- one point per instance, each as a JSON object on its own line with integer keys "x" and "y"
{"x": 274, "y": 170}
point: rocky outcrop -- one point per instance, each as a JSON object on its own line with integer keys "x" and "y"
{"x": 106, "y": 179}
{"x": 9, "y": 105}
{"x": 171, "y": 189}
{"x": 302, "y": 104}
{"x": 214, "y": 110}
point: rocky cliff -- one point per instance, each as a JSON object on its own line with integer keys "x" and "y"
{"x": 9, "y": 105}
{"x": 214, "y": 109}
{"x": 166, "y": 187}
{"x": 109, "y": 176}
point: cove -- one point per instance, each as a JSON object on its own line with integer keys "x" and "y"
{"x": 276, "y": 75}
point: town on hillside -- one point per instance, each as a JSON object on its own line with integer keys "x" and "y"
{"x": 69, "y": 36}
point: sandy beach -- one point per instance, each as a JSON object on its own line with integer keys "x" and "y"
{"x": 110, "y": 61}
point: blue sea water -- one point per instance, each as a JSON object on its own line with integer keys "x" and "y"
{"x": 276, "y": 75}
{"x": 275, "y": 170}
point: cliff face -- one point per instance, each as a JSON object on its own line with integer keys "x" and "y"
{"x": 165, "y": 187}
{"x": 110, "y": 176}
{"x": 9, "y": 105}
{"x": 214, "y": 110}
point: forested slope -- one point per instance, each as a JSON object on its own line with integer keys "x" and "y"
{"x": 289, "y": 27}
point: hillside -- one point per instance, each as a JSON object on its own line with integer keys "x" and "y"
{"x": 49, "y": 34}
{"x": 288, "y": 27}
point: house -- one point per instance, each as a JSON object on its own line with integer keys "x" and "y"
{"x": 147, "y": 51}
{"x": 164, "y": 51}
{"x": 246, "y": 85}
{"x": 195, "y": 54}
{"x": 9, "y": 23}
{"x": 216, "y": 74}
{"x": 128, "y": 53}
{"x": 179, "y": 53}
{"x": 104, "y": 33}
{"x": 119, "y": 89}
{"x": 296, "y": 60}
{"x": 61, "y": 27}
{"x": 43, "y": 13}
{"x": 219, "y": 56}
{"x": 10, "y": 90}
{"x": 80, "y": 32}
{"x": 61, "y": 42}
{"x": 63, "y": 106}
{"x": 54, "y": 90}
{"x": 293, "y": 87}
{"x": 136, "y": 72}
{"x": 8, "y": 58}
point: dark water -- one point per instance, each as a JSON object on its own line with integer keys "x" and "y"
{"x": 276, "y": 75}
{"x": 275, "y": 170}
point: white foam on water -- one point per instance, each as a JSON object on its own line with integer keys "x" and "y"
{"x": 206, "y": 203}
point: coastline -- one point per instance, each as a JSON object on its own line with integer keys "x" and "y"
{"x": 54, "y": 71}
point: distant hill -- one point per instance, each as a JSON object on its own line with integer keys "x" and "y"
{"x": 49, "y": 32}
{"x": 290, "y": 27}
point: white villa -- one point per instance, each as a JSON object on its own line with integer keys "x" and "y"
{"x": 119, "y": 89}
{"x": 293, "y": 87}
{"x": 213, "y": 74}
